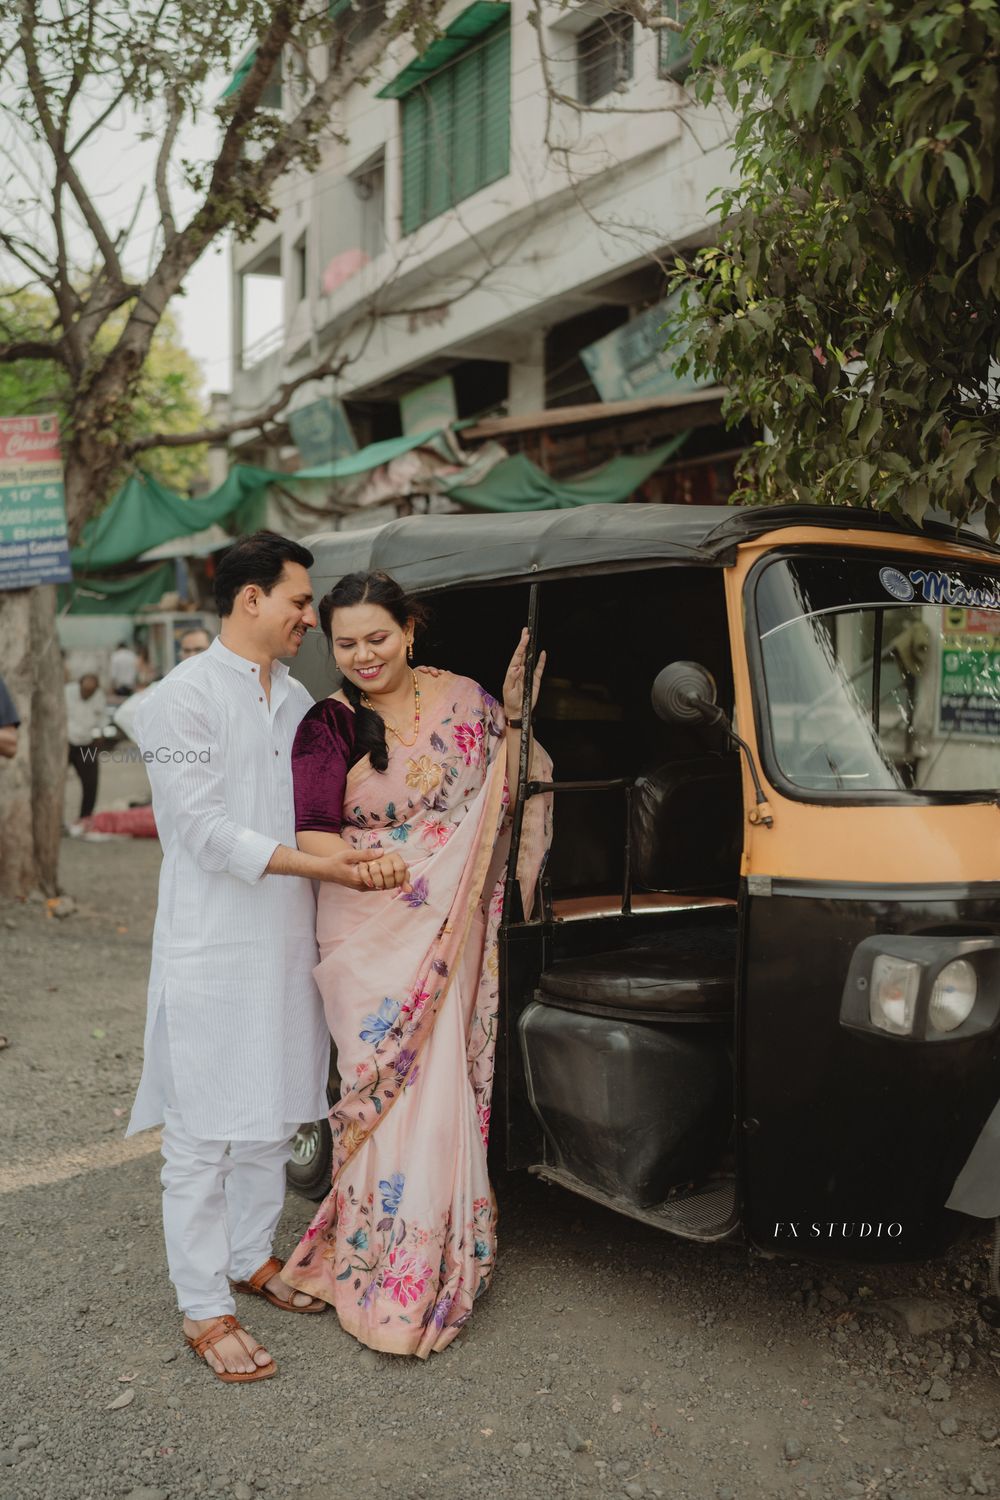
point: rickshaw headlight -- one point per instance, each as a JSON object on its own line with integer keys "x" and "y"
{"x": 953, "y": 995}
{"x": 892, "y": 1001}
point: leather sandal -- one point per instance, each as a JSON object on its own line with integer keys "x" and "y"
{"x": 256, "y": 1287}
{"x": 222, "y": 1328}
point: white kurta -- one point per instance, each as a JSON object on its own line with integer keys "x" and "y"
{"x": 233, "y": 948}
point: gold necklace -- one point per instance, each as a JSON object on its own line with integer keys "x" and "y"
{"x": 391, "y": 728}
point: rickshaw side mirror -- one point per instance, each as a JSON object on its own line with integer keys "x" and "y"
{"x": 685, "y": 692}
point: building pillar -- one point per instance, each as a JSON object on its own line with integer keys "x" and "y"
{"x": 526, "y": 378}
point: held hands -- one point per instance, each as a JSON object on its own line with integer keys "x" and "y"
{"x": 366, "y": 870}
{"x": 513, "y": 683}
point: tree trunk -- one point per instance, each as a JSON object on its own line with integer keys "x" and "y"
{"x": 31, "y": 785}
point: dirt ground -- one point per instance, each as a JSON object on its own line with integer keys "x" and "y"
{"x": 607, "y": 1359}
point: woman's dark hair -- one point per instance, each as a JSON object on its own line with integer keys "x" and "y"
{"x": 260, "y": 559}
{"x": 369, "y": 588}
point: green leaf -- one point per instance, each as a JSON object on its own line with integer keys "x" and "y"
{"x": 749, "y": 59}
{"x": 984, "y": 475}
{"x": 959, "y": 174}
{"x": 852, "y": 413}
{"x": 915, "y": 501}
{"x": 986, "y": 272}
{"x": 911, "y": 175}
{"x": 892, "y": 40}
{"x": 869, "y": 425}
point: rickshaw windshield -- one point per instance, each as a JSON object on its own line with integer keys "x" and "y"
{"x": 882, "y": 675}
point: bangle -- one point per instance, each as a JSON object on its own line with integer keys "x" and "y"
{"x": 515, "y": 723}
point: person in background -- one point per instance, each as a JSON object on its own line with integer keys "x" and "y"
{"x": 193, "y": 642}
{"x": 124, "y": 670}
{"x": 86, "y": 713}
{"x": 9, "y": 724}
{"x": 145, "y": 671}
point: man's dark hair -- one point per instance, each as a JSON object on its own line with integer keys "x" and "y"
{"x": 258, "y": 559}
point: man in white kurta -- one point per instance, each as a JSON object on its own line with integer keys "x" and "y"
{"x": 236, "y": 1048}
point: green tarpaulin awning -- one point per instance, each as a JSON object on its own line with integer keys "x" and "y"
{"x": 472, "y": 23}
{"x": 517, "y": 484}
{"x": 146, "y": 513}
{"x": 117, "y": 596}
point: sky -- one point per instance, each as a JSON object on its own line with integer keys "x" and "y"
{"x": 114, "y": 165}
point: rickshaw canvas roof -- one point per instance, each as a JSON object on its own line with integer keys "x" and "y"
{"x": 432, "y": 552}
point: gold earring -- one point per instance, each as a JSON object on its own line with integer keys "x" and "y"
{"x": 409, "y": 651}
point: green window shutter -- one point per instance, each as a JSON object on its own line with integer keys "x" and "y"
{"x": 468, "y": 74}
{"x": 440, "y": 93}
{"x": 414, "y": 125}
{"x": 496, "y": 107}
{"x": 675, "y": 48}
{"x": 239, "y": 77}
{"x": 456, "y": 130}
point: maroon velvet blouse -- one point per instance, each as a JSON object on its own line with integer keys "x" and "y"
{"x": 322, "y": 755}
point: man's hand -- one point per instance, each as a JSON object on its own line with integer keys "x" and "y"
{"x": 365, "y": 870}
{"x": 432, "y": 671}
{"x": 8, "y": 741}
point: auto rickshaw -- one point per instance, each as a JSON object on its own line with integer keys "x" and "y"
{"x": 759, "y": 993}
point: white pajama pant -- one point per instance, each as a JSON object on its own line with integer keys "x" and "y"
{"x": 221, "y": 1205}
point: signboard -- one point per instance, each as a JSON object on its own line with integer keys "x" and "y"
{"x": 428, "y": 407}
{"x": 33, "y": 544}
{"x": 970, "y": 674}
{"x": 322, "y": 432}
{"x": 631, "y": 362}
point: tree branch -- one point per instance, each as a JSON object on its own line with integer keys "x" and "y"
{"x": 329, "y": 367}
{"x": 175, "y": 114}
{"x": 31, "y": 349}
{"x": 56, "y": 143}
{"x": 639, "y": 12}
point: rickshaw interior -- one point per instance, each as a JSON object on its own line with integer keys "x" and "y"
{"x": 615, "y": 1073}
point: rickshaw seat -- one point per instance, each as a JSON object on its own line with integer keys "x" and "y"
{"x": 692, "y": 979}
{"x": 687, "y": 820}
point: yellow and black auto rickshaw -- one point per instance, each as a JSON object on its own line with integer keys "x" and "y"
{"x": 760, "y": 993}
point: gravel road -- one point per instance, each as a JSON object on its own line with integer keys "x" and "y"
{"x": 607, "y": 1359}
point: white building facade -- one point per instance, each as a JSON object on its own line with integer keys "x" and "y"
{"x": 482, "y": 212}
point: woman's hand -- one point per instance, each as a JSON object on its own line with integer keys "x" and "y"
{"x": 389, "y": 872}
{"x": 431, "y": 671}
{"x": 513, "y": 683}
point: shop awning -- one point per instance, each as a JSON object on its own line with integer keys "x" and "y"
{"x": 693, "y": 408}
{"x": 517, "y": 484}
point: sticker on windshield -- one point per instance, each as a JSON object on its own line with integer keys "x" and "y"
{"x": 937, "y": 587}
{"x": 897, "y": 584}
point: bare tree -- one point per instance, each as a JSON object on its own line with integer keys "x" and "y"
{"x": 68, "y": 69}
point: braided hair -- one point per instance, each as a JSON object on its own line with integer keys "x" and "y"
{"x": 369, "y": 588}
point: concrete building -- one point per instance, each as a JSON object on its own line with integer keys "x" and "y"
{"x": 488, "y": 211}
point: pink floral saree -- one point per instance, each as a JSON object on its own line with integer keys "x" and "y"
{"x": 405, "y": 1241}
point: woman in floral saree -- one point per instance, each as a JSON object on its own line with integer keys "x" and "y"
{"x": 419, "y": 768}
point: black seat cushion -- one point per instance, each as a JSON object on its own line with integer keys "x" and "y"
{"x": 687, "y": 825}
{"x": 686, "y": 981}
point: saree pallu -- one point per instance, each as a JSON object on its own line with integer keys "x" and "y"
{"x": 405, "y": 1241}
